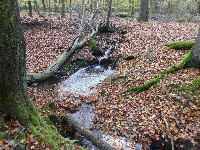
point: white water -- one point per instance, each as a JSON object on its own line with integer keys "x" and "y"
{"x": 83, "y": 81}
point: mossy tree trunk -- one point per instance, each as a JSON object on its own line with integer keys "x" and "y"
{"x": 30, "y": 9}
{"x": 14, "y": 101}
{"x": 195, "y": 61}
{"x": 144, "y": 10}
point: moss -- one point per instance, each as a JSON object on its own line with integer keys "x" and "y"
{"x": 170, "y": 69}
{"x": 119, "y": 78}
{"x": 139, "y": 88}
{"x": 2, "y": 134}
{"x": 181, "y": 45}
{"x": 2, "y": 122}
{"x": 21, "y": 135}
{"x": 196, "y": 82}
{"x": 130, "y": 57}
{"x": 122, "y": 14}
{"x": 34, "y": 120}
{"x": 51, "y": 105}
{"x": 185, "y": 60}
{"x": 92, "y": 43}
{"x": 145, "y": 86}
{"x": 180, "y": 20}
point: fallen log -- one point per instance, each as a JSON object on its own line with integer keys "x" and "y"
{"x": 96, "y": 141}
{"x": 53, "y": 68}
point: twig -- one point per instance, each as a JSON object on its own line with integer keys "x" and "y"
{"x": 168, "y": 130}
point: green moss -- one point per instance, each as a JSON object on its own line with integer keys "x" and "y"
{"x": 130, "y": 57}
{"x": 2, "y": 134}
{"x": 34, "y": 120}
{"x": 170, "y": 69}
{"x": 2, "y": 122}
{"x": 139, "y": 88}
{"x": 145, "y": 86}
{"x": 185, "y": 60}
{"x": 180, "y": 20}
{"x": 21, "y": 135}
{"x": 51, "y": 105}
{"x": 122, "y": 14}
{"x": 92, "y": 43}
{"x": 196, "y": 82}
{"x": 119, "y": 78}
{"x": 181, "y": 45}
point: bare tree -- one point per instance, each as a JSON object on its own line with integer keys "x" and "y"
{"x": 109, "y": 3}
{"x": 144, "y": 10}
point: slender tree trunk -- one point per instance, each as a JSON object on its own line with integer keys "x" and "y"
{"x": 37, "y": 9}
{"x": 30, "y": 9}
{"x": 49, "y": 6}
{"x": 43, "y": 6}
{"x": 109, "y": 3}
{"x": 131, "y": 7}
{"x": 55, "y": 6}
{"x": 62, "y": 8}
{"x": 70, "y": 9}
{"x": 144, "y": 10}
{"x": 195, "y": 61}
{"x": 14, "y": 100}
{"x": 25, "y": 6}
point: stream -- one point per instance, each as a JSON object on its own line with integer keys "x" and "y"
{"x": 83, "y": 83}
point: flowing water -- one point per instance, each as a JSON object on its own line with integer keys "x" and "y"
{"x": 83, "y": 83}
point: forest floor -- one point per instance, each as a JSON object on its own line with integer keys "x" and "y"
{"x": 136, "y": 116}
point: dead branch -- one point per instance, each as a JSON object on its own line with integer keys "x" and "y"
{"x": 168, "y": 130}
{"x": 53, "y": 68}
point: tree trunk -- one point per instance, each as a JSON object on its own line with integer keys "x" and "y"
{"x": 109, "y": 3}
{"x": 14, "y": 100}
{"x": 55, "y": 6}
{"x": 131, "y": 7}
{"x": 43, "y": 6}
{"x": 37, "y": 9}
{"x": 70, "y": 9}
{"x": 49, "y": 6}
{"x": 195, "y": 61}
{"x": 154, "y": 6}
{"x": 62, "y": 8}
{"x": 30, "y": 9}
{"x": 144, "y": 10}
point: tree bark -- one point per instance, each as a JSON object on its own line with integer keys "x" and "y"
{"x": 96, "y": 141}
{"x": 131, "y": 7}
{"x": 14, "y": 100}
{"x": 195, "y": 61}
{"x": 43, "y": 6}
{"x": 37, "y": 9}
{"x": 144, "y": 10}
{"x": 109, "y": 3}
{"x": 55, "y": 6}
{"x": 30, "y": 9}
{"x": 62, "y": 8}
